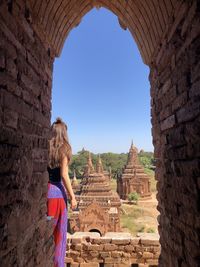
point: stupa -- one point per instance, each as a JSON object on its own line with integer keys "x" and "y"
{"x": 75, "y": 184}
{"x": 98, "y": 206}
{"x": 133, "y": 178}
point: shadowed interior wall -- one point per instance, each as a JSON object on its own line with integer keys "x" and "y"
{"x": 25, "y": 93}
{"x": 175, "y": 92}
{"x": 31, "y": 34}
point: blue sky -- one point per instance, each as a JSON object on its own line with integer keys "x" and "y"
{"x": 101, "y": 87}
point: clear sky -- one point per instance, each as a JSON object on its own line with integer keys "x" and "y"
{"x": 101, "y": 87}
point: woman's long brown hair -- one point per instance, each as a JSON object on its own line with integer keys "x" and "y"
{"x": 59, "y": 146}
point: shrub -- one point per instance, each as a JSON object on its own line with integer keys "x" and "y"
{"x": 133, "y": 197}
{"x": 151, "y": 230}
{"x": 141, "y": 229}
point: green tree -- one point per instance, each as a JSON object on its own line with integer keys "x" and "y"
{"x": 111, "y": 161}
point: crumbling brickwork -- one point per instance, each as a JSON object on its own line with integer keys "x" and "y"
{"x": 167, "y": 33}
{"x": 113, "y": 251}
{"x": 175, "y": 91}
{"x": 25, "y": 93}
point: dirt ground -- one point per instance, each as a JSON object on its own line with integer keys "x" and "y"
{"x": 141, "y": 217}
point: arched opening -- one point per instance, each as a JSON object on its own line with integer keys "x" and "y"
{"x": 95, "y": 231}
{"x": 96, "y": 89}
{"x": 32, "y": 34}
{"x": 105, "y": 103}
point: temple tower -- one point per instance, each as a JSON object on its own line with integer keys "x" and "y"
{"x": 98, "y": 205}
{"x": 133, "y": 178}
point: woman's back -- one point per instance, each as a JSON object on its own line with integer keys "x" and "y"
{"x": 54, "y": 174}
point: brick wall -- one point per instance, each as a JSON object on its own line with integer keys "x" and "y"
{"x": 25, "y": 93}
{"x": 88, "y": 251}
{"x": 170, "y": 43}
{"x": 175, "y": 91}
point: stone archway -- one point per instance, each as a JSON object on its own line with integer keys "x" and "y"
{"x": 32, "y": 33}
{"x": 93, "y": 230}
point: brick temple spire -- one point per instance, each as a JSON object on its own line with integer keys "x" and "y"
{"x": 99, "y": 206}
{"x": 132, "y": 155}
{"x": 99, "y": 166}
{"x": 133, "y": 178}
{"x": 74, "y": 180}
{"x": 89, "y": 168}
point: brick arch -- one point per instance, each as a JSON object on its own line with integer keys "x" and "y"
{"x": 169, "y": 42}
{"x": 95, "y": 230}
{"x": 147, "y": 20}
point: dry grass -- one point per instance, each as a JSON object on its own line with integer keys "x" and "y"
{"x": 141, "y": 217}
{"x": 138, "y": 218}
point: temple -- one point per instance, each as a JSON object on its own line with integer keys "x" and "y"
{"x": 98, "y": 206}
{"x": 75, "y": 184}
{"x": 133, "y": 178}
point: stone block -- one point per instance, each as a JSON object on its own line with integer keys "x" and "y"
{"x": 11, "y": 68}
{"x": 95, "y": 247}
{"x": 68, "y": 260}
{"x": 110, "y": 247}
{"x": 168, "y": 123}
{"x": 105, "y": 254}
{"x": 152, "y": 261}
{"x": 93, "y": 264}
{"x": 11, "y": 118}
{"x": 120, "y": 241}
{"x": 2, "y": 60}
{"x": 73, "y": 253}
{"x": 129, "y": 248}
{"x": 147, "y": 255}
{"x": 134, "y": 241}
{"x": 110, "y": 260}
{"x": 102, "y": 240}
{"x": 79, "y": 259}
{"x": 133, "y": 256}
{"x": 188, "y": 112}
{"x": 73, "y": 264}
{"x": 116, "y": 254}
{"x": 94, "y": 254}
{"x": 138, "y": 248}
{"x": 78, "y": 247}
{"x": 180, "y": 101}
{"x": 76, "y": 240}
{"x": 122, "y": 265}
{"x": 126, "y": 255}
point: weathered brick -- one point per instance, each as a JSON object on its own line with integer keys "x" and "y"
{"x": 168, "y": 38}
{"x": 120, "y": 241}
{"x": 89, "y": 264}
{"x": 116, "y": 254}
{"x": 11, "y": 118}
{"x": 129, "y": 248}
{"x": 105, "y": 254}
{"x": 110, "y": 247}
{"x": 147, "y": 255}
{"x": 95, "y": 247}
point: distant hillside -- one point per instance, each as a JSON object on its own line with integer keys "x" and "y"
{"x": 112, "y": 161}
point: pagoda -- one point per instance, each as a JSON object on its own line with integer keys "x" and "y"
{"x": 133, "y": 178}
{"x": 75, "y": 184}
{"x": 98, "y": 206}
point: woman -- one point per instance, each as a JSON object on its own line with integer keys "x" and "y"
{"x": 59, "y": 158}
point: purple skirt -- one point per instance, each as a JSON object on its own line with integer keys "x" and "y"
{"x": 57, "y": 208}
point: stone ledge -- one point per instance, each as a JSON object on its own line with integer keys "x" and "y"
{"x": 113, "y": 248}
